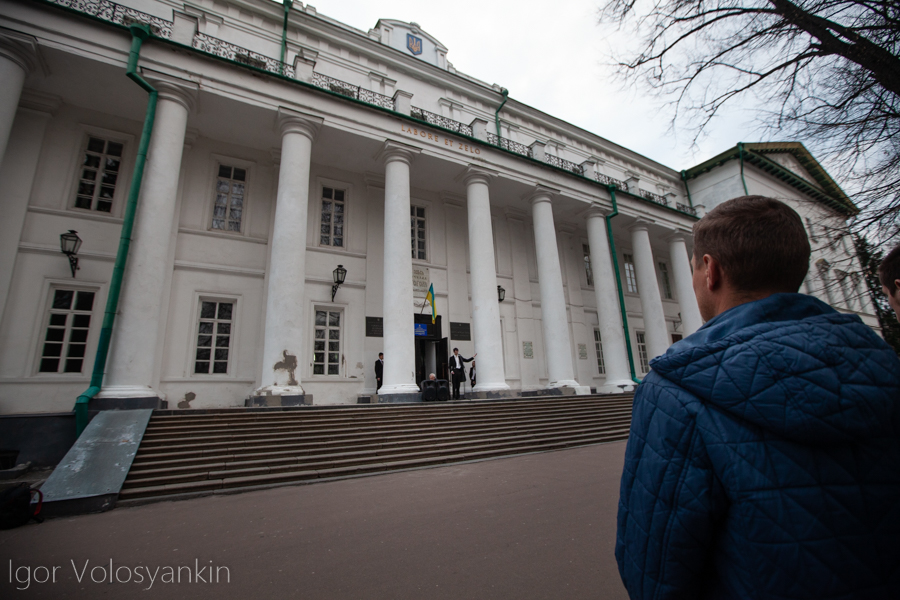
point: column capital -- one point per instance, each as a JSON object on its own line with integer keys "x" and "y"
{"x": 175, "y": 89}
{"x": 21, "y": 49}
{"x": 290, "y": 121}
{"x": 394, "y": 151}
{"x": 477, "y": 174}
{"x": 677, "y": 235}
{"x": 596, "y": 211}
{"x": 641, "y": 224}
{"x": 541, "y": 193}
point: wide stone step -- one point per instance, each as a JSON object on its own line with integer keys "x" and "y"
{"x": 189, "y": 459}
{"x": 188, "y": 416}
{"x": 249, "y": 444}
{"x": 295, "y": 461}
{"x": 392, "y": 464}
{"x": 157, "y": 429}
{"x": 209, "y": 437}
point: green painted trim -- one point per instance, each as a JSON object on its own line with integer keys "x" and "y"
{"x": 687, "y": 188}
{"x": 615, "y": 260}
{"x": 743, "y": 181}
{"x": 505, "y": 93}
{"x": 139, "y": 33}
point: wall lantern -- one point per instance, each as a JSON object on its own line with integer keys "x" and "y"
{"x": 339, "y": 275}
{"x": 501, "y": 293}
{"x": 69, "y": 243}
{"x": 676, "y": 323}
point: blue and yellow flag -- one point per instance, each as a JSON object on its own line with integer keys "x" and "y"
{"x": 430, "y": 298}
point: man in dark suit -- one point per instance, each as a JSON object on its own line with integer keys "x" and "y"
{"x": 379, "y": 371}
{"x": 458, "y": 370}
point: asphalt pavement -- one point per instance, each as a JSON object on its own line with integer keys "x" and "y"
{"x": 535, "y": 526}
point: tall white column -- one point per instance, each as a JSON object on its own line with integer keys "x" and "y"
{"x": 655, "y": 331}
{"x": 612, "y": 335}
{"x": 131, "y": 364}
{"x": 557, "y": 345}
{"x": 283, "y": 347}
{"x": 17, "y": 58}
{"x": 684, "y": 287}
{"x": 483, "y": 278}
{"x": 399, "y": 333}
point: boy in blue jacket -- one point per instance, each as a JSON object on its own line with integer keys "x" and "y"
{"x": 764, "y": 455}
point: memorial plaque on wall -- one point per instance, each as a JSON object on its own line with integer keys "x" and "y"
{"x": 421, "y": 281}
{"x": 374, "y": 327}
{"x": 460, "y": 331}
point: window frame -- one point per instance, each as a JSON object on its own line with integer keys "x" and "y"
{"x": 50, "y": 288}
{"x": 588, "y": 266}
{"x": 342, "y": 363}
{"x": 630, "y": 275}
{"x": 598, "y": 350}
{"x": 199, "y": 299}
{"x": 321, "y": 198}
{"x": 665, "y": 280}
{"x": 249, "y": 167}
{"x": 123, "y": 181}
{"x": 425, "y": 208}
{"x": 215, "y": 195}
{"x": 640, "y": 344}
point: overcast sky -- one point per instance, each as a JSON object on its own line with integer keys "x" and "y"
{"x": 552, "y": 56}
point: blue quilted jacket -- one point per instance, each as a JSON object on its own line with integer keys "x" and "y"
{"x": 764, "y": 461}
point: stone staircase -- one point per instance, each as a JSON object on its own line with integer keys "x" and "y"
{"x": 205, "y": 452}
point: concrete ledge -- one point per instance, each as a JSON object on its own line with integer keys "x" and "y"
{"x": 581, "y": 390}
{"x": 98, "y": 404}
{"x": 399, "y": 398}
{"x": 294, "y": 400}
{"x": 90, "y": 476}
{"x": 494, "y": 394}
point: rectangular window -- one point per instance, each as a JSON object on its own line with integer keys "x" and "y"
{"x": 229, "y": 207}
{"x": 589, "y": 273}
{"x": 598, "y": 345}
{"x": 677, "y": 337}
{"x": 812, "y": 230}
{"x": 630, "y": 276}
{"x": 331, "y": 224}
{"x": 844, "y": 280}
{"x": 214, "y": 337}
{"x": 417, "y": 231}
{"x": 327, "y": 343}
{"x": 65, "y": 340}
{"x": 825, "y": 276}
{"x": 642, "y": 351}
{"x": 98, "y": 175}
{"x": 664, "y": 276}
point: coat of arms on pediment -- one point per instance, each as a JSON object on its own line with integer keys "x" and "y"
{"x": 413, "y": 43}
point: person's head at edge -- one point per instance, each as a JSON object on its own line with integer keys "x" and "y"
{"x": 432, "y": 377}
{"x": 455, "y": 351}
{"x": 747, "y": 249}
{"x": 381, "y": 355}
{"x": 889, "y": 275}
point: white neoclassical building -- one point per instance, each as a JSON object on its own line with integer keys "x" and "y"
{"x": 285, "y": 147}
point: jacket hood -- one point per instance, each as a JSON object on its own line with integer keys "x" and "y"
{"x": 794, "y": 366}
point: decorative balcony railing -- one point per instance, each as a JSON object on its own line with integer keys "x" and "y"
{"x": 352, "y": 91}
{"x": 116, "y": 13}
{"x": 562, "y": 163}
{"x": 506, "y": 144}
{"x": 654, "y": 197}
{"x": 440, "y": 121}
{"x": 685, "y": 208}
{"x": 223, "y": 49}
{"x": 611, "y": 181}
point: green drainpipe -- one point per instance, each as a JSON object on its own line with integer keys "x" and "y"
{"x": 287, "y": 9}
{"x": 139, "y": 33}
{"x": 505, "y": 93}
{"x": 615, "y": 261}
{"x": 741, "y": 153}
{"x": 686, "y": 188}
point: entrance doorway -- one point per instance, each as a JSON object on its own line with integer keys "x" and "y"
{"x": 431, "y": 348}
